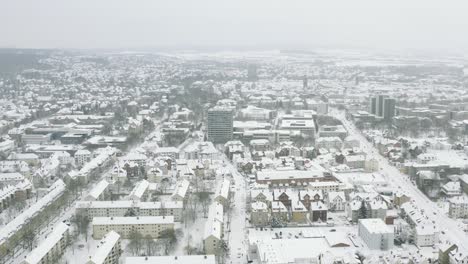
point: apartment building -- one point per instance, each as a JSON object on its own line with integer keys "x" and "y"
{"x": 51, "y": 248}
{"x": 376, "y": 234}
{"x": 108, "y": 250}
{"x": 121, "y": 208}
{"x": 124, "y": 226}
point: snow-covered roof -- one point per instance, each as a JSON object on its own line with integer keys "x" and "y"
{"x": 378, "y": 204}
{"x": 133, "y": 220}
{"x": 223, "y": 189}
{"x": 375, "y": 225}
{"x": 213, "y": 228}
{"x": 278, "y": 206}
{"x": 45, "y": 246}
{"x": 105, "y": 247}
{"x": 98, "y": 190}
{"x": 129, "y": 204}
{"x": 259, "y": 207}
{"x": 181, "y": 189}
{"x": 334, "y": 195}
{"x": 82, "y": 152}
{"x": 425, "y": 230}
{"x": 216, "y": 212}
{"x": 11, "y": 176}
{"x": 139, "y": 190}
{"x": 104, "y": 204}
{"x": 298, "y": 206}
{"x": 266, "y": 175}
{"x": 14, "y": 225}
{"x": 459, "y": 200}
{"x": 318, "y": 206}
{"x": 157, "y": 205}
{"x": 191, "y": 259}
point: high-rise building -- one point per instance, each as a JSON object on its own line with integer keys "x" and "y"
{"x": 388, "y": 108}
{"x": 252, "y": 73}
{"x": 373, "y": 105}
{"x": 220, "y": 121}
{"x": 380, "y": 104}
{"x": 305, "y": 82}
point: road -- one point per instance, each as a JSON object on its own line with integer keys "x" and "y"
{"x": 237, "y": 240}
{"x": 398, "y": 180}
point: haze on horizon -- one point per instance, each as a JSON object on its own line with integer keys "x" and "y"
{"x": 438, "y": 26}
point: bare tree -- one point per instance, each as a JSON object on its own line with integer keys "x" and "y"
{"x": 150, "y": 245}
{"x": 136, "y": 242}
{"x": 204, "y": 198}
{"x": 170, "y": 238}
{"x": 82, "y": 223}
{"x": 189, "y": 249}
{"x": 28, "y": 237}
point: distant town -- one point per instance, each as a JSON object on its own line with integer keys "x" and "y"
{"x": 266, "y": 157}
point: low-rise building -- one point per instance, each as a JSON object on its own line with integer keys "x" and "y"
{"x": 329, "y": 143}
{"x": 299, "y": 212}
{"x": 51, "y": 248}
{"x": 376, "y": 234}
{"x": 181, "y": 191}
{"x": 212, "y": 237}
{"x": 139, "y": 192}
{"x": 457, "y": 256}
{"x": 98, "y": 192}
{"x": 82, "y": 157}
{"x": 259, "y": 215}
{"x": 336, "y": 201}
{"x": 292, "y": 177}
{"x": 108, "y": 250}
{"x": 319, "y": 211}
{"x": 54, "y": 192}
{"x": 146, "y": 225}
{"x": 124, "y": 208}
{"x": 325, "y": 186}
{"x": 458, "y": 207}
{"x": 451, "y": 188}
{"x": 377, "y": 209}
{"x": 279, "y": 211}
{"x": 222, "y": 193}
{"x": 189, "y": 259}
{"x": 426, "y": 235}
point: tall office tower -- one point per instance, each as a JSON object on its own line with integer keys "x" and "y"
{"x": 389, "y": 108}
{"x": 380, "y": 104}
{"x": 220, "y": 121}
{"x": 373, "y": 105}
{"x": 305, "y": 82}
{"x": 252, "y": 73}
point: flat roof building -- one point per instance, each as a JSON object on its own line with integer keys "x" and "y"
{"x": 124, "y": 226}
{"x": 376, "y": 234}
{"x": 220, "y": 124}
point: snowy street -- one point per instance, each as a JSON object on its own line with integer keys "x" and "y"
{"x": 237, "y": 222}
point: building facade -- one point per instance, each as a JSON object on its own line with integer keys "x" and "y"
{"x": 220, "y": 124}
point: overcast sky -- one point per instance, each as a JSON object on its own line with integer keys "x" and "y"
{"x": 393, "y": 24}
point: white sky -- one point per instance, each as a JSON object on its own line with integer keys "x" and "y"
{"x": 392, "y": 24}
